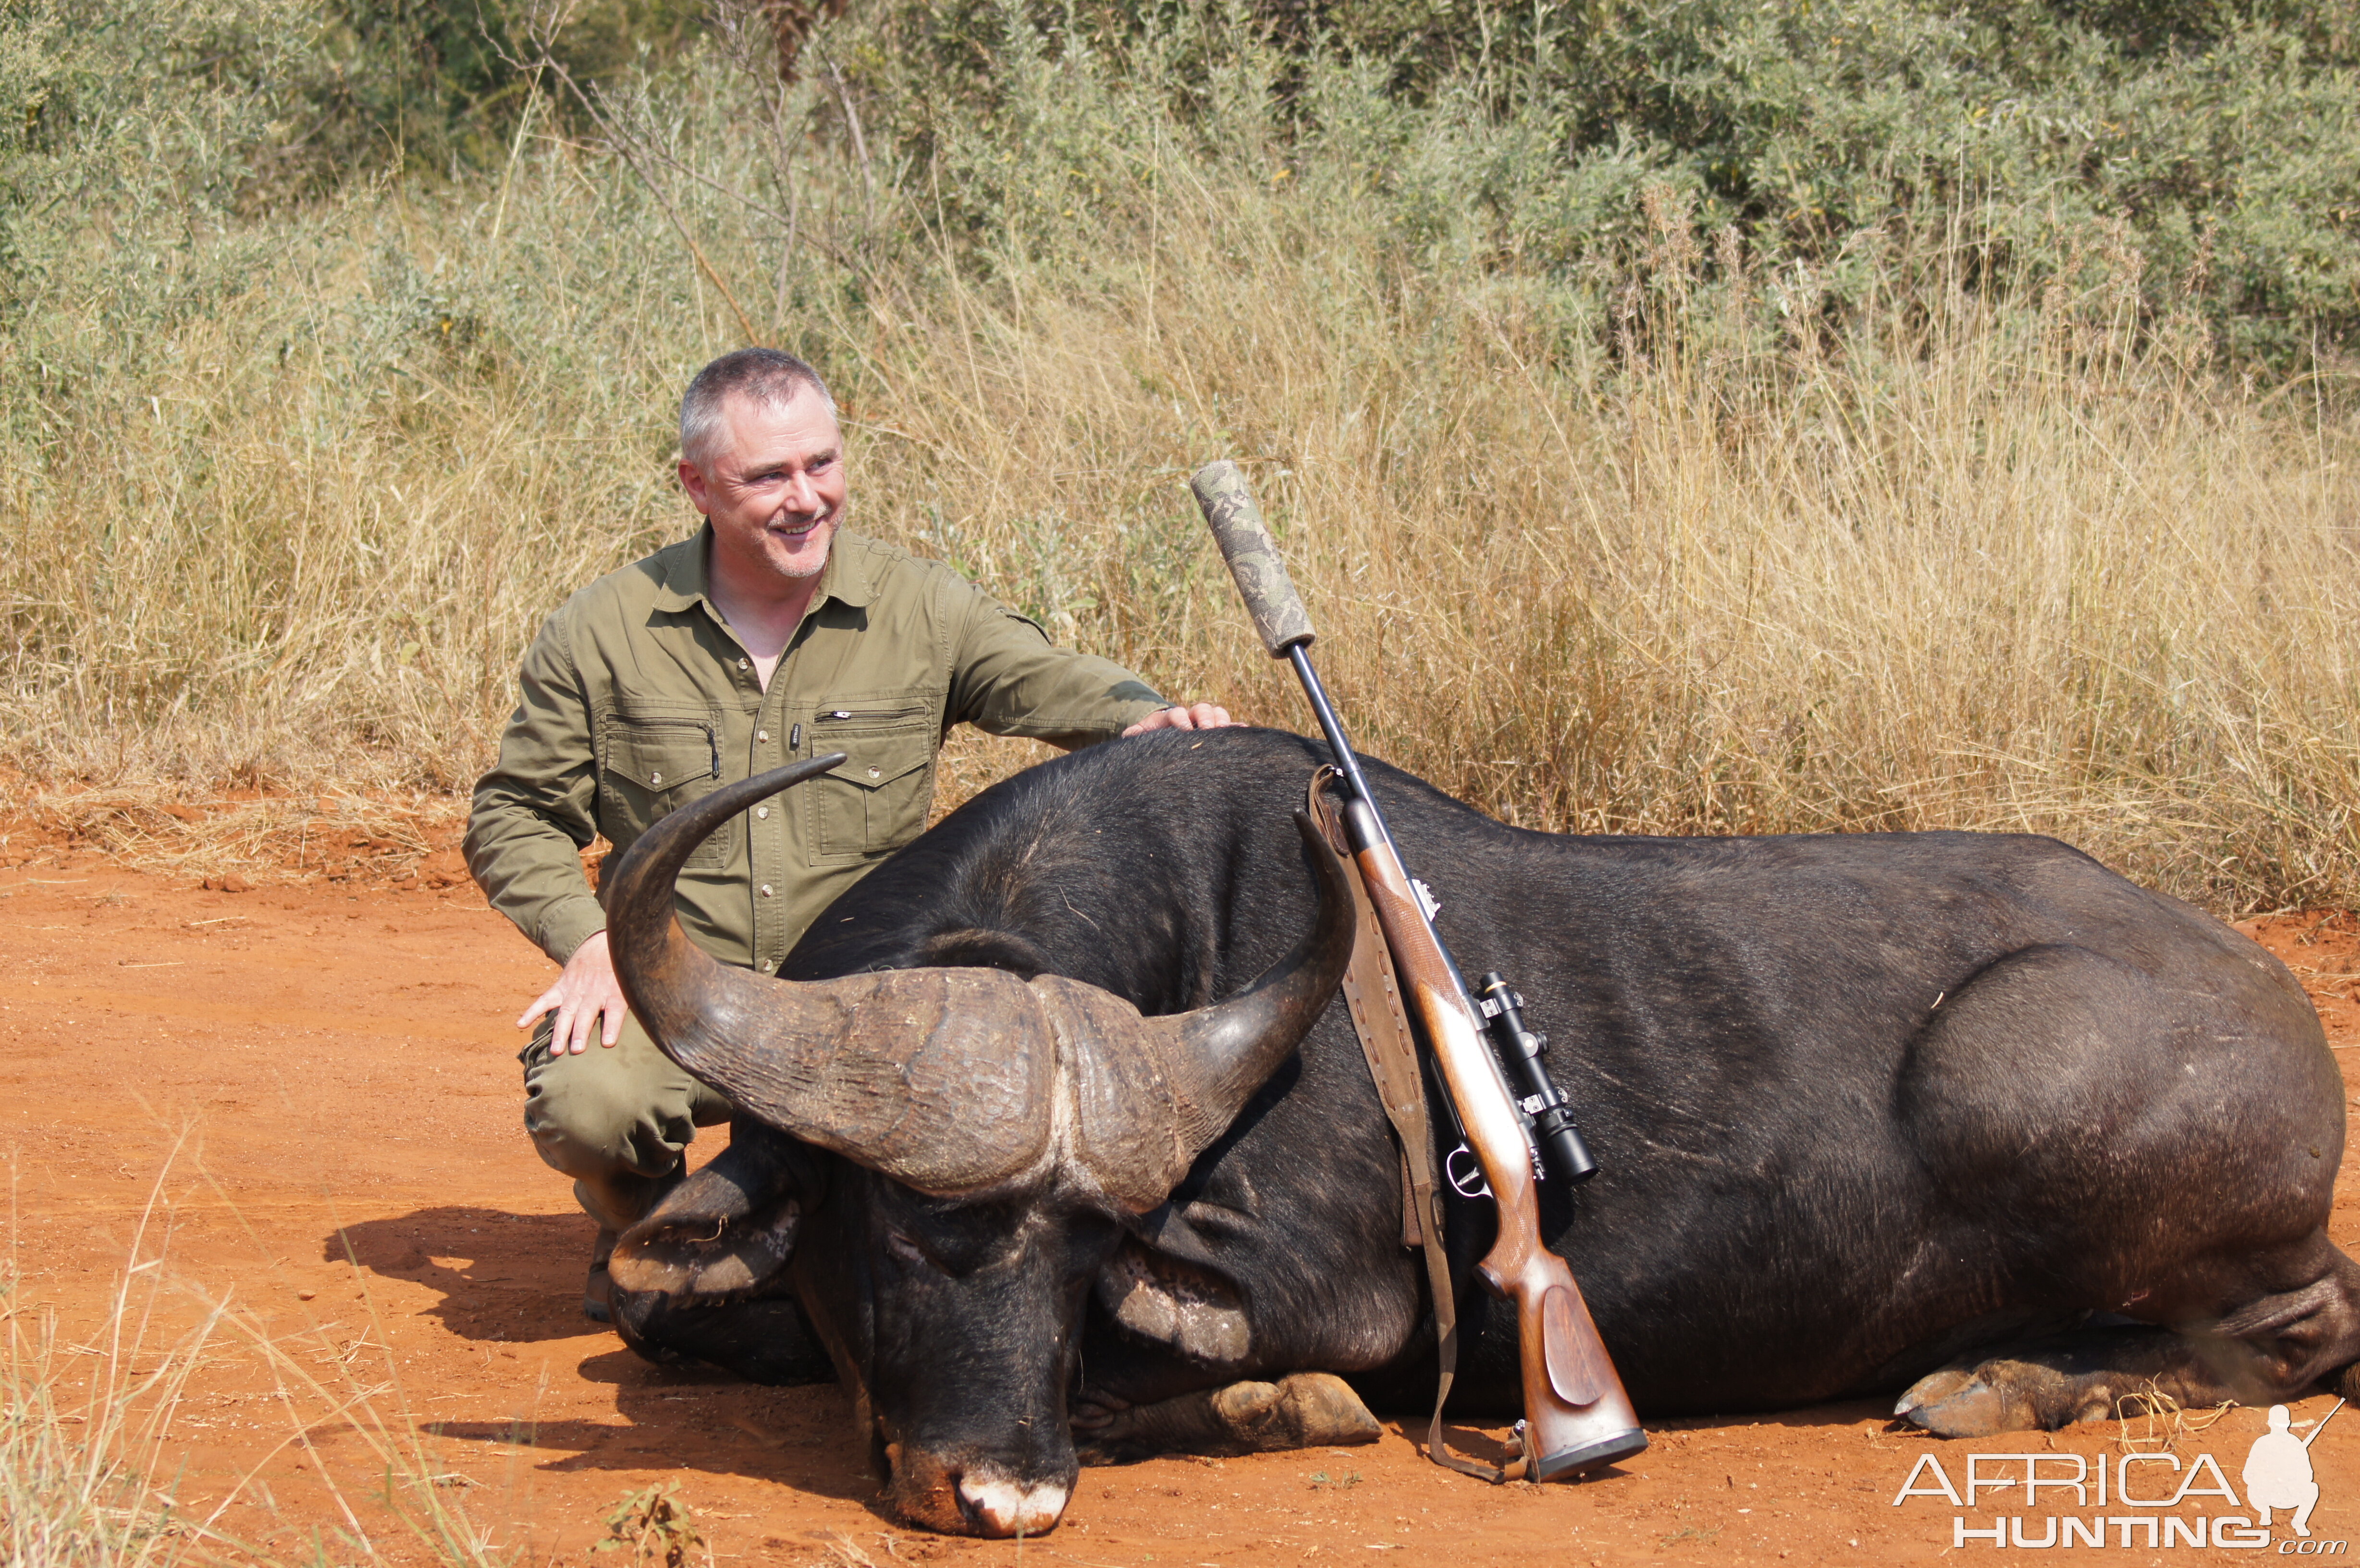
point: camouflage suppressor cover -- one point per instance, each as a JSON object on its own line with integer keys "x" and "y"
{"x": 1278, "y": 611}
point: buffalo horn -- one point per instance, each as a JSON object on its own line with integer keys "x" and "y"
{"x": 924, "y": 1074}
{"x": 1170, "y": 1086}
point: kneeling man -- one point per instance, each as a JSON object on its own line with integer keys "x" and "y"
{"x": 771, "y": 635}
{"x": 2277, "y": 1473}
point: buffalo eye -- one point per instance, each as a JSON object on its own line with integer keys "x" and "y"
{"x": 903, "y": 1248}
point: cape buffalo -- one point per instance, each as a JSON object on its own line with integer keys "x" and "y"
{"x": 1964, "y": 1114}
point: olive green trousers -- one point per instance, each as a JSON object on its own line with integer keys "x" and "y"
{"x": 616, "y": 1119}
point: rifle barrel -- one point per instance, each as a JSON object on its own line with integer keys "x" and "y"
{"x": 1348, "y": 763}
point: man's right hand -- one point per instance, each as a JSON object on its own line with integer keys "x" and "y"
{"x": 584, "y": 993}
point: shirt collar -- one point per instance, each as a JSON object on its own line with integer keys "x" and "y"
{"x": 844, "y": 578}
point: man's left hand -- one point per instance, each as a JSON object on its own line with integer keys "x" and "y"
{"x": 1196, "y": 716}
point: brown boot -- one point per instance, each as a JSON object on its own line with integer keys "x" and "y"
{"x": 598, "y": 1290}
{"x": 616, "y": 1203}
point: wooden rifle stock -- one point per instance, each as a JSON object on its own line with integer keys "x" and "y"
{"x": 1577, "y": 1415}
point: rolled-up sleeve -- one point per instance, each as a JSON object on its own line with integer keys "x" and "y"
{"x": 537, "y": 809}
{"x": 1006, "y": 677}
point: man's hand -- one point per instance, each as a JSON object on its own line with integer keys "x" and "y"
{"x": 584, "y": 991}
{"x": 1198, "y": 716}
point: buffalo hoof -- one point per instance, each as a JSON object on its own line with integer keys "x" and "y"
{"x": 2088, "y": 1376}
{"x": 1308, "y": 1409}
{"x": 1951, "y": 1403}
{"x": 2008, "y": 1396}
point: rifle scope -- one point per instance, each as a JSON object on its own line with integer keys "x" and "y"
{"x": 1520, "y": 1051}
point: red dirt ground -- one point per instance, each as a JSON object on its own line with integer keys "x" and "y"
{"x": 334, "y": 1064}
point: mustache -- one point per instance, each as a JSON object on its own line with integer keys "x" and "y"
{"x": 801, "y": 520}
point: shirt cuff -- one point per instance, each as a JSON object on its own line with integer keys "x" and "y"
{"x": 1140, "y": 710}
{"x": 569, "y": 924}
{"x": 1074, "y": 733}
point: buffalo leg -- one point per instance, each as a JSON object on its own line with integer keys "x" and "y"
{"x": 2270, "y": 1349}
{"x": 2113, "y": 1140}
{"x": 1308, "y": 1409}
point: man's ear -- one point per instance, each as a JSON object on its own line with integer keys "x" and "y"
{"x": 725, "y": 1232}
{"x": 692, "y": 479}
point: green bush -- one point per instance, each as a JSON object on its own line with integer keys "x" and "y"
{"x": 2217, "y": 149}
{"x": 2208, "y": 153}
{"x": 436, "y": 86}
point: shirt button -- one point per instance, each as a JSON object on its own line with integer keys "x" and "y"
{"x": 761, "y": 734}
{"x": 875, "y": 773}
{"x": 769, "y": 964}
{"x": 655, "y": 777}
{"x": 761, "y": 810}
{"x": 766, "y": 889}
{"x": 743, "y": 665}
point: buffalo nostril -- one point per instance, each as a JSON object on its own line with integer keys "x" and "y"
{"x": 1003, "y": 1509}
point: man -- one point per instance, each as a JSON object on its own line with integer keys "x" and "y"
{"x": 2278, "y": 1474}
{"x": 771, "y": 635}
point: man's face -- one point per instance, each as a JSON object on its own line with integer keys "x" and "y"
{"x": 771, "y": 482}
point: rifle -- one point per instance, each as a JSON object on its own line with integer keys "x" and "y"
{"x": 1577, "y": 1416}
{"x": 2322, "y": 1425}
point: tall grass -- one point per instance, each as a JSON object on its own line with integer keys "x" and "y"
{"x": 1671, "y": 546}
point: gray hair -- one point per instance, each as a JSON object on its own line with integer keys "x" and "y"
{"x": 769, "y": 375}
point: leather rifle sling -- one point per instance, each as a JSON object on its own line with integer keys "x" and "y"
{"x": 1373, "y": 998}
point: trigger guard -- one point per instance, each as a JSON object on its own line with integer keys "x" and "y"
{"x": 1466, "y": 1181}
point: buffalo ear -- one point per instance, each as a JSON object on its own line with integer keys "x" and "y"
{"x": 720, "y": 1235}
{"x": 1174, "y": 1303}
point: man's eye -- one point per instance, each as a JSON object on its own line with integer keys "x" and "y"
{"x": 902, "y": 1247}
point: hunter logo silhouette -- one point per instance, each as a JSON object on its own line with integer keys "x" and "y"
{"x": 2278, "y": 1471}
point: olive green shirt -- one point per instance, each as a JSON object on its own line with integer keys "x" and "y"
{"x": 637, "y": 699}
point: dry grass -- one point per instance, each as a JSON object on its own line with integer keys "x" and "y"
{"x": 339, "y": 835}
{"x": 2017, "y": 565}
{"x": 1991, "y": 576}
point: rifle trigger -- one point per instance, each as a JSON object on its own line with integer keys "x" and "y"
{"x": 1466, "y": 1179}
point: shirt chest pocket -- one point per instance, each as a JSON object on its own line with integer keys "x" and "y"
{"x": 875, "y": 801}
{"x": 652, "y": 764}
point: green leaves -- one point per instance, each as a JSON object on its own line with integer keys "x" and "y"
{"x": 2217, "y": 145}
{"x": 653, "y": 1525}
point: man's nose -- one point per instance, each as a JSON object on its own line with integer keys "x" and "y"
{"x": 803, "y": 495}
